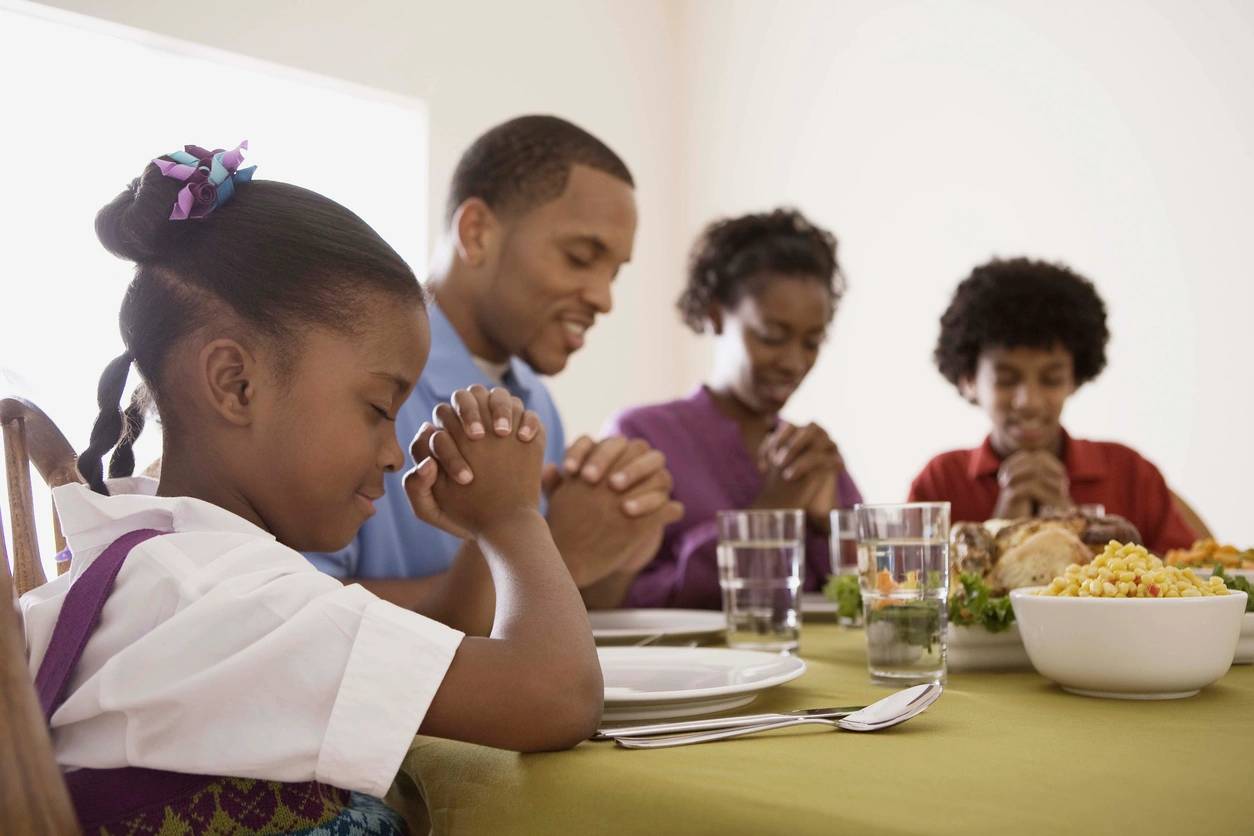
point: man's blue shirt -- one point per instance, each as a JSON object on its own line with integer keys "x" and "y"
{"x": 394, "y": 543}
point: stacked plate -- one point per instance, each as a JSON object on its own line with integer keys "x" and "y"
{"x": 647, "y": 681}
{"x": 650, "y": 683}
{"x": 654, "y": 625}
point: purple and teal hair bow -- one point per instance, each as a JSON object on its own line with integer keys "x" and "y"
{"x": 211, "y": 177}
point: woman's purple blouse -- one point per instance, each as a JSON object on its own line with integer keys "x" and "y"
{"x": 713, "y": 472}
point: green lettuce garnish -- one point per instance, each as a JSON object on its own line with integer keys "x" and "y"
{"x": 974, "y": 604}
{"x": 1238, "y": 583}
{"x": 843, "y": 589}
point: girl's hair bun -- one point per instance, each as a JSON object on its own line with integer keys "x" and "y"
{"x": 133, "y": 225}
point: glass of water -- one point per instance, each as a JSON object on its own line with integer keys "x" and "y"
{"x": 760, "y": 555}
{"x": 844, "y": 550}
{"x": 903, "y": 570}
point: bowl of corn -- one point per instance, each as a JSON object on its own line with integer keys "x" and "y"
{"x": 1128, "y": 626}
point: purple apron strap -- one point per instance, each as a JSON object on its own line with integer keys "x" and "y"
{"x": 100, "y": 795}
{"x": 103, "y": 796}
{"x": 80, "y": 613}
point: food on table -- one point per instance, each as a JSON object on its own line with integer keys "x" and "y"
{"x": 989, "y": 559}
{"x": 1094, "y": 531}
{"x": 973, "y": 603}
{"x": 1237, "y": 583}
{"x": 1129, "y": 571}
{"x": 1024, "y": 552}
{"x": 1019, "y": 531}
{"x": 1098, "y": 531}
{"x": 1036, "y": 560}
{"x": 844, "y": 590}
{"x": 901, "y": 632}
{"x": 972, "y": 548}
{"x": 1208, "y": 552}
{"x": 902, "y": 623}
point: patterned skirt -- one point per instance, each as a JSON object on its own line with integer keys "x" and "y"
{"x": 261, "y": 808}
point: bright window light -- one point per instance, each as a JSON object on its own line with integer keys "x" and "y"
{"x": 86, "y": 105}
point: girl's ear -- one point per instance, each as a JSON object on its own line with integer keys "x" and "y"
{"x": 228, "y": 378}
{"x": 474, "y": 231}
{"x": 715, "y": 315}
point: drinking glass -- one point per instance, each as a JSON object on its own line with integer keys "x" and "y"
{"x": 760, "y": 555}
{"x": 903, "y": 572}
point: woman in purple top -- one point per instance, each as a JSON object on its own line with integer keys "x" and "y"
{"x": 766, "y": 286}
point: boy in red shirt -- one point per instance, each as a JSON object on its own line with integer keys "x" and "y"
{"x": 1019, "y": 337}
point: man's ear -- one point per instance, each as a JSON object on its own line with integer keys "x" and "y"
{"x": 475, "y": 231}
{"x": 714, "y": 313}
{"x": 228, "y": 374}
{"x": 966, "y": 388}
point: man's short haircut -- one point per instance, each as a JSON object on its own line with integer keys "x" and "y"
{"x": 1022, "y": 302}
{"x": 525, "y": 162}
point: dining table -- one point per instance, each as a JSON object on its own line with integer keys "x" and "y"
{"x": 1000, "y": 752}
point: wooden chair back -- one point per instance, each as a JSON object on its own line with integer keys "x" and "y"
{"x": 33, "y": 796}
{"x": 1191, "y": 517}
{"x": 30, "y": 437}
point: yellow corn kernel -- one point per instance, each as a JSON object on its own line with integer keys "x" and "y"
{"x": 1130, "y": 571}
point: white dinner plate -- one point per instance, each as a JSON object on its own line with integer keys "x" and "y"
{"x": 623, "y": 625}
{"x": 972, "y": 648}
{"x": 1245, "y": 644}
{"x": 648, "y": 683}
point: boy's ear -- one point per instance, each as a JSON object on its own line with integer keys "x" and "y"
{"x": 475, "y": 231}
{"x": 966, "y": 388}
{"x": 714, "y": 313}
{"x": 228, "y": 378}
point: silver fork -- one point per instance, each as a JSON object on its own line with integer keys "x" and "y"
{"x": 667, "y": 741}
{"x": 723, "y": 722}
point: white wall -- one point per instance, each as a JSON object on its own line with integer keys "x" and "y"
{"x": 929, "y": 136}
{"x": 1115, "y": 136}
{"x": 609, "y": 66}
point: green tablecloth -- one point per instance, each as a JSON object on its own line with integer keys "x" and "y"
{"x": 1005, "y": 753}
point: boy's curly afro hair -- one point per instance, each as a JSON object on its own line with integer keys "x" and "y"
{"x": 1021, "y": 302}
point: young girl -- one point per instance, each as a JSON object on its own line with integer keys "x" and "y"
{"x": 1019, "y": 337}
{"x": 224, "y": 683}
{"x": 767, "y": 285}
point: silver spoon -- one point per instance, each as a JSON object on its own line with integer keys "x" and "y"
{"x": 894, "y": 709}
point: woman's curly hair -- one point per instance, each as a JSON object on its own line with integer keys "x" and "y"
{"x": 732, "y": 255}
{"x": 1021, "y": 302}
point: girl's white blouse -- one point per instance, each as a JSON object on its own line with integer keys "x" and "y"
{"x": 223, "y": 652}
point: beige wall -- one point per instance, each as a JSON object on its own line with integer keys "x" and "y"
{"x": 609, "y": 66}
{"x": 930, "y": 136}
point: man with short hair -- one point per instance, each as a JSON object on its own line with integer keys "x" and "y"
{"x": 541, "y": 216}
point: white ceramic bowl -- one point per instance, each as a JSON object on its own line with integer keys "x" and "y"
{"x": 1130, "y": 648}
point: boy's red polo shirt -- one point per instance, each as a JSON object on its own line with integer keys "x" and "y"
{"x": 1099, "y": 472}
